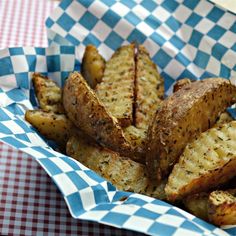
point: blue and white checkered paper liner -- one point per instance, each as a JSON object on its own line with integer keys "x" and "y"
{"x": 183, "y": 41}
{"x": 87, "y": 195}
{"x": 194, "y": 39}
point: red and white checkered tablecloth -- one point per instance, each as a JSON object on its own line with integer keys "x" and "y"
{"x": 30, "y": 203}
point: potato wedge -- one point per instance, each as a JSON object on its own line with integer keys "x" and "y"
{"x": 207, "y": 162}
{"x": 180, "y": 84}
{"x": 93, "y": 65}
{"x": 197, "y": 205}
{"x": 222, "y": 207}
{"x": 223, "y": 118}
{"x": 149, "y": 89}
{"x": 124, "y": 173}
{"x": 137, "y": 138}
{"x": 56, "y": 127}
{"x": 181, "y": 118}
{"x": 48, "y": 93}
{"x": 156, "y": 190}
{"x": 87, "y": 113}
{"x": 116, "y": 91}
{"x": 218, "y": 207}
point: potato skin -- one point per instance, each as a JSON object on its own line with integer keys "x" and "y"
{"x": 87, "y": 113}
{"x": 180, "y": 84}
{"x": 182, "y": 117}
{"x": 56, "y": 127}
{"x": 93, "y": 65}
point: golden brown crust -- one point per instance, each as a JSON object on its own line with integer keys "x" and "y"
{"x": 149, "y": 89}
{"x": 93, "y": 65}
{"x": 180, "y": 84}
{"x": 182, "y": 117}
{"x": 48, "y": 93}
{"x": 116, "y": 91}
{"x": 222, "y": 207}
{"x": 56, "y": 127}
{"x": 86, "y": 111}
{"x": 125, "y": 174}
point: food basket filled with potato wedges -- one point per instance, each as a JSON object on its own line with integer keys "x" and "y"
{"x": 130, "y": 110}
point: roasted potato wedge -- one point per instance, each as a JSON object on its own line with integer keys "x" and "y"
{"x": 156, "y": 190}
{"x": 56, "y": 127}
{"x": 218, "y": 207}
{"x": 86, "y": 111}
{"x": 137, "y": 138}
{"x": 207, "y": 162}
{"x": 124, "y": 173}
{"x": 223, "y": 118}
{"x": 180, "y": 84}
{"x": 197, "y": 205}
{"x": 48, "y": 93}
{"x": 116, "y": 91}
{"x": 149, "y": 89}
{"x": 93, "y": 65}
{"x": 222, "y": 207}
{"x": 181, "y": 118}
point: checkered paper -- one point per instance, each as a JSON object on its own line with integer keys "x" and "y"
{"x": 31, "y": 204}
{"x": 194, "y": 39}
{"x": 87, "y": 195}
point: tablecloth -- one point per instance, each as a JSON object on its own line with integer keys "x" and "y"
{"x": 30, "y": 203}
